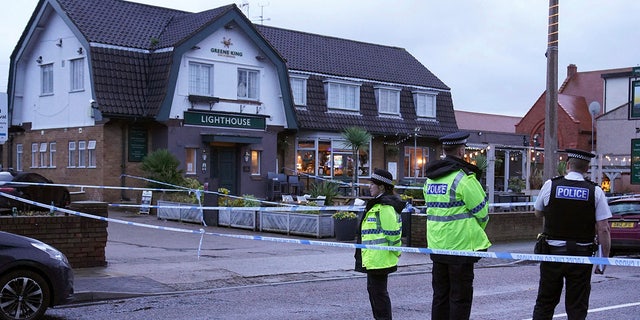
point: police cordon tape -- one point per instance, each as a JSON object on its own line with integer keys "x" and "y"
{"x": 479, "y": 254}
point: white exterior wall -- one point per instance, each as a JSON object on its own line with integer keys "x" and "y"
{"x": 616, "y": 93}
{"x": 225, "y": 74}
{"x": 615, "y": 131}
{"x": 64, "y": 108}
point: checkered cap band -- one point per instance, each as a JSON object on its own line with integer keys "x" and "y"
{"x": 454, "y": 142}
{"x": 381, "y": 178}
{"x": 578, "y": 156}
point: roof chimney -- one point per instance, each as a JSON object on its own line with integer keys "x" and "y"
{"x": 572, "y": 69}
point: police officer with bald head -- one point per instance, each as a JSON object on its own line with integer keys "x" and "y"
{"x": 575, "y": 211}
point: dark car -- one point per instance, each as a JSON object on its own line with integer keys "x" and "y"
{"x": 33, "y": 277}
{"x": 57, "y": 195}
{"x": 625, "y": 225}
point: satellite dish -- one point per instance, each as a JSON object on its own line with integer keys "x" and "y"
{"x": 594, "y": 108}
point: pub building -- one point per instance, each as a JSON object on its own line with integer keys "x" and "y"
{"x": 96, "y": 86}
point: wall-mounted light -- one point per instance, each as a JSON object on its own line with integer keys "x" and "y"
{"x": 39, "y": 60}
{"x": 246, "y": 156}
{"x": 204, "y": 155}
{"x": 260, "y": 58}
{"x": 195, "y": 48}
{"x": 59, "y": 43}
{"x": 80, "y": 50}
{"x": 228, "y": 26}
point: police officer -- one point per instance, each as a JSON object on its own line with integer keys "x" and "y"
{"x": 574, "y": 211}
{"x": 457, "y": 213}
{"x": 380, "y": 225}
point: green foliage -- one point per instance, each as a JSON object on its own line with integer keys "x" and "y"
{"x": 325, "y": 188}
{"x": 161, "y": 165}
{"x": 186, "y": 196}
{"x": 535, "y": 180}
{"x": 356, "y": 138}
{"x": 516, "y": 184}
{"x": 345, "y": 215}
{"x": 413, "y": 193}
{"x": 562, "y": 168}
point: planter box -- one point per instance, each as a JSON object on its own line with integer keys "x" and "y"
{"x": 317, "y": 225}
{"x": 243, "y": 219}
{"x": 190, "y": 212}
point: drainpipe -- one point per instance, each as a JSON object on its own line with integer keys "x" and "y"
{"x": 123, "y": 164}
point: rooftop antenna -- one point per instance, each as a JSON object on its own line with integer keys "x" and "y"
{"x": 261, "y": 17}
{"x": 245, "y": 3}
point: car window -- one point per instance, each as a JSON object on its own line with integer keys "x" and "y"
{"x": 622, "y": 207}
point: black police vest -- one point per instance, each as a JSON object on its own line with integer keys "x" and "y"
{"x": 571, "y": 212}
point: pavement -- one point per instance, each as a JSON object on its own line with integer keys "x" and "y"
{"x": 143, "y": 261}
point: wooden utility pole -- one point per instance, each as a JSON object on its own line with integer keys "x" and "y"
{"x": 551, "y": 121}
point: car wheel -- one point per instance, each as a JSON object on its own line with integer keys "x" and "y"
{"x": 23, "y": 295}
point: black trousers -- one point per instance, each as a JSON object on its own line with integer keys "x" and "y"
{"x": 379, "y": 296}
{"x": 578, "y": 283}
{"x": 452, "y": 290}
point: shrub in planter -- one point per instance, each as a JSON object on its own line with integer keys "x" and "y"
{"x": 345, "y": 225}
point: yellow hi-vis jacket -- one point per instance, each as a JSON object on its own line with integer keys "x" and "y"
{"x": 381, "y": 226}
{"x": 457, "y": 212}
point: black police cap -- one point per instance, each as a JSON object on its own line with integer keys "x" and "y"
{"x": 579, "y": 154}
{"x": 456, "y": 138}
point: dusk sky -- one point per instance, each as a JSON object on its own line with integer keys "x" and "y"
{"x": 491, "y": 53}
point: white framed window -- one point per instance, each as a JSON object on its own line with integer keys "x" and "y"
{"x": 72, "y": 154}
{"x": 248, "y": 84}
{"x": 43, "y": 155}
{"x": 52, "y": 154}
{"x": 388, "y": 100}
{"x": 299, "y": 89}
{"x": 425, "y": 102}
{"x": 76, "y": 74}
{"x": 200, "y": 79}
{"x": 19, "y": 157}
{"x": 342, "y": 95}
{"x": 46, "y": 79}
{"x": 256, "y": 159}
{"x": 91, "y": 153}
{"x": 190, "y": 160}
{"x": 34, "y": 155}
{"x": 82, "y": 154}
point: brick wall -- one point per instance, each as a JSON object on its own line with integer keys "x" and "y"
{"x": 501, "y": 227}
{"x": 82, "y": 240}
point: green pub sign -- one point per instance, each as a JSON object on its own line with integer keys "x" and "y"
{"x": 137, "y": 143}
{"x": 224, "y": 120}
{"x": 635, "y": 161}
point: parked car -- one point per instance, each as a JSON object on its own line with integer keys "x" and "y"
{"x": 625, "y": 225}
{"x": 58, "y": 195}
{"x": 33, "y": 277}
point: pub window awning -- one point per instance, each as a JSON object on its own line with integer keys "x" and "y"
{"x": 233, "y": 139}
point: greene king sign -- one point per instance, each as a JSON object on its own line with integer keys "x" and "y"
{"x": 224, "y": 120}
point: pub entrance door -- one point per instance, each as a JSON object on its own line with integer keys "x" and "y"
{"x": 224, "y": 168}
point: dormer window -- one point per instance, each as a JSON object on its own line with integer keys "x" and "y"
{"x": 299, "y": 89}
{"x": 342, "y": 95}
{"x": 425, "y": 102}
{"x": 388, "y": 100}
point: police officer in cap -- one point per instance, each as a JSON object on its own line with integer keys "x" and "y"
{"x": 457, "y": 214}
{"x": 574, "y": 211}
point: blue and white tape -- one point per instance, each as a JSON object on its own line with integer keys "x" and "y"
{"x": 479, "y": 254}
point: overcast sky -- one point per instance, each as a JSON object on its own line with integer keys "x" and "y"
{"x": 489, "y": 52}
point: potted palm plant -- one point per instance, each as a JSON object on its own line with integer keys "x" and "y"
{"x": 356, "y": 139}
